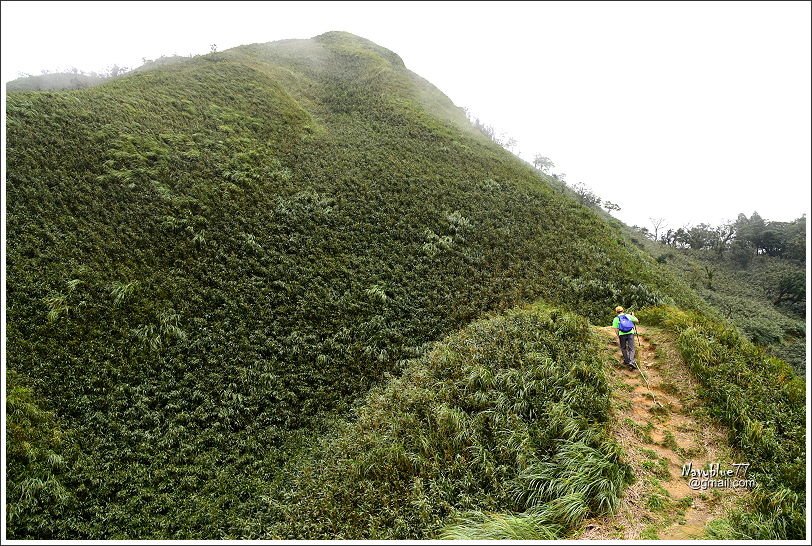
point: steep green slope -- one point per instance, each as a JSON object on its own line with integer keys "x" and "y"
{"x": 748, "y": 295}
{"x": 206, "y": 259}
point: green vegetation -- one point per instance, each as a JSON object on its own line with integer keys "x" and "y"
{"x": 658, "y": 499}
{"x": 752, "y": 272}
{"x": 670, "y": 441}
{"x": 35, "y": 465}
{"x": 763, "y": 402}
{"x": 643, "y": 433}
{"x": 745, "y": 296}
{"x": 508, "y": 415}
{"x": 223, "y": 267}
{"x": 658, "y": 466}
{"x": 209, "y": 257}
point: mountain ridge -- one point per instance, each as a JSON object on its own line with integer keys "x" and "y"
{"x": 209, "y": 262}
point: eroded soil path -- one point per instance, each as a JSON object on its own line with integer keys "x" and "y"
{"x": 662, "y": 425}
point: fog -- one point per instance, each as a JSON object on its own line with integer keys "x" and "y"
{"x": 692, "y": 112}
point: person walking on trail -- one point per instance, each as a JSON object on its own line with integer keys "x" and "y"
{"x": 624, "y": 324}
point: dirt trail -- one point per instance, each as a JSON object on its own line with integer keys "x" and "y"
{"x": 659, "y": 438}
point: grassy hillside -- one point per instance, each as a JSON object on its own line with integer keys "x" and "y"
{"x": 508, "y": 414}
{"x": 210, "y": 261}
{"x": 747, "y": 294}
{"x": 746, "y": 297}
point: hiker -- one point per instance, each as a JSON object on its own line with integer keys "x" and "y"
{"x": 624, "y": 324}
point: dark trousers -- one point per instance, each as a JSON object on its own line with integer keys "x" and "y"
{"x": 627, "y": 348}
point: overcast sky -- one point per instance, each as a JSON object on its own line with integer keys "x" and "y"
{"x": 689, "y": 111}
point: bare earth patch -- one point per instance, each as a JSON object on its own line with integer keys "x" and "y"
{"x": 660, "y": 423}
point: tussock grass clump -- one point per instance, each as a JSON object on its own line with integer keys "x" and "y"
{"x": 532, "y": 525}
{"x": 763, "y": 401}
{"x": 35, "y": 462}
{"x": 506, "y": 416}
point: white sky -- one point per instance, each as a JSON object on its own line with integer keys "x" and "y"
{"x": 689, "y": 111}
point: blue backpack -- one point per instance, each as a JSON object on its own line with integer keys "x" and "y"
{"x": 625, "y": 324}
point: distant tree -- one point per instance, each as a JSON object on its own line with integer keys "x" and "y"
{"x": 699, "y": 237}
{"x": 681, "y": 238}
{"x": 481, "y": 126}
{"x": 751, "y": 230}
{"x": 504, "y": 140}
{"x": 543, "y": 164}
{"x": 507, "y": 142}
{"x": 741, "y": 252}
{"x": 776, "y": 239}
{"x": 771, "y": 241}
{"x": 724, "y": 234}
{"x": 611, "y": 207}
{"x": 213, "y": 48}
{"x": 675, "y": 238}
{"x": 76, "y": 83}
{"x": 585, "y": 195}
{"x": 657, "y": 223}
{"x": 486, "y": 130}
{"x": 115, "y": 71}
{"x": 489, "y": 131}
{"x": 795, "y": 235}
